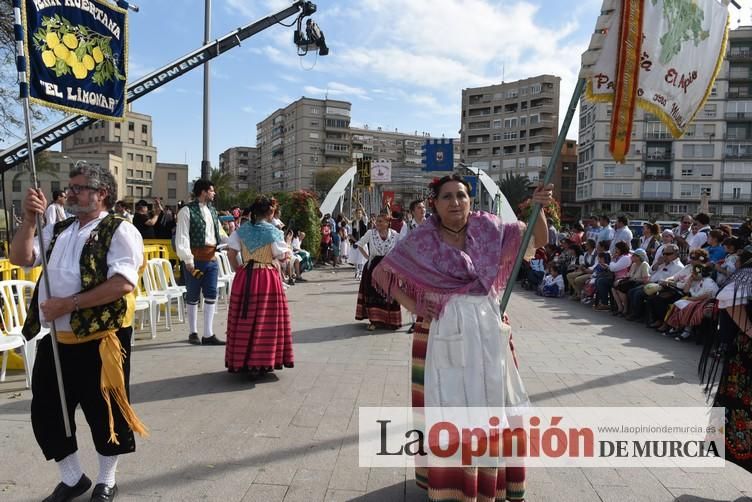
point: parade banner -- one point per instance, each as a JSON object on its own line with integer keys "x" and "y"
{"x": 473, "y": 182}
{"x": 660, "y": 55}
{"x": 438, "y": 155}
{"x": 381, "y": 171}
{"x": 387, "y": 199}
{"x": 78, "y": 56}
{"x": 364, "y": 173}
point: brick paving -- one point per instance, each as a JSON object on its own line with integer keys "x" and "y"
{"x": 293, "y": 436}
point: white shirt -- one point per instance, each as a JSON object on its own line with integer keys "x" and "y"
{"x": 279, "y": 248}
{"x": 55, "y": 212}
{"x": 706, "y": 286}
{"x": 549, "y": 280}
{"x": 699, "y": 239}
{"x": 376, "y": 245}
{"x": 667, "y": 270}
{"x": 623, "y": 234}
{"x": 125, "y": 257}
{"x": 183, "y": 236}
{"x": 409, "y": 227}
{"x": 605, "y": 234}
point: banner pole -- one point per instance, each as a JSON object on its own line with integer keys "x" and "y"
{"x": 535, "y": 208}
{"x": 24, "y": 94}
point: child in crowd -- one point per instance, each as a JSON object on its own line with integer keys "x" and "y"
{"x": 724, "y": 268}
{"x": 553, "y": 283}
{"x": 715, "y": 248}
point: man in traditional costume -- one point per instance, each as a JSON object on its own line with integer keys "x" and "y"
{"x": 93, "y": 267}
{"x": 196, "y": 239}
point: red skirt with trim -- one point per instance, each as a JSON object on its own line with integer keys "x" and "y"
{"x": 259, "y": 335}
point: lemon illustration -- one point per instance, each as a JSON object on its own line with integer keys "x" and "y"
{"x": 79, "y": 71}
{"x": 52, "y": 39}
{"x": 70, "y": 40}
{"x": 88, "y": 62}
{"x": 61, "y": 51}
{"x": 71, "y": 59}
{"x": 97, "y": 54}
{"x": 48, "y": 57}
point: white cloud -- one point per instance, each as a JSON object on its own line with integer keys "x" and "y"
{"x": 337, "y": 89}
{"x": 248, "y": 109}
{"x": 241, "y": 7}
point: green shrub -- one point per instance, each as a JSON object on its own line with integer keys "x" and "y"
{"x": 300, "y": 211}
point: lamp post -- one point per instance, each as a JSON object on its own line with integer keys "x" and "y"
{"x": 205, "y": 162}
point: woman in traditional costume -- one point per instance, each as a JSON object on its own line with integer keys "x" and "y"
{"x": 259, "y": 336}
{"x": 730, "y": 350}
{"x": 358, "y": 230}
{"x": 450, "y": 272}
{"x": 372, "y": 305}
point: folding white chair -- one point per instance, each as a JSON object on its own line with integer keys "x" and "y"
{"x": 147, "y": 293}
{"x": 15, "y": 296}
{"x": 226, "y": 275}
{"x": 165, "y": 283}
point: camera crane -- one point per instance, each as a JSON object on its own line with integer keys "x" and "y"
{"x": 314, "y": 40}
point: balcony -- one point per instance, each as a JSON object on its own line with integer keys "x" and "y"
{"x": 738, "y": 152}
{"x": 658, "y": 177}
{"x": 738, "y": 115}
{"x": 739, "y": 54}
{"x": 660, "y": 156}
{"x": 739, "y": 75}
{"x": 737, "y": 137}
{"x": 736, "y": 197}
{"x": 737, "y": 176}
{"x": 657, "y": 195}
{"x": 738, "y": 94}
{"x": 658, "y": 135}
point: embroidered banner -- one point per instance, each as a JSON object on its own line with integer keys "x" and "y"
{"x": 438, "y": 155}
{"x": 78, "y": 56}
{"x": 381, "y": 171}
{"x": 680, "y": 52}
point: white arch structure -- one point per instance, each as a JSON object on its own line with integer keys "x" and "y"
{"x": 337, "y": 193}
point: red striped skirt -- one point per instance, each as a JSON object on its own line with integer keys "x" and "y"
{"x": 456, "y": 483}
{"x": 259, "y": 335}
{"x": 372, "y": 305}
{"x": 691, "y": 315}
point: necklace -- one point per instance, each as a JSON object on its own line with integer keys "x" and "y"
{"x": 454, "y": 233}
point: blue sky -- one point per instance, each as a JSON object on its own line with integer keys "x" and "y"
{"x": 402, "y": 63}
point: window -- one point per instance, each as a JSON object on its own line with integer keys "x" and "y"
{"x": 148, "y": 174}
{"x": 129, "y": 156}
{"x": 622, "y": 171}
{"x": 172, "y": 193}
{"x": 130, "y": 141}
{"x": 315, "y": 110}
{"x": 144, "y": 129}
{"x": 497, "y": 124}
{"x": 16, "y": 185}
{"x": 172, "y": 177}
{"x": 497, "y": 137}
{"x": 54, "y": 185}
{"x": 705, "y": 170}
{"x": 139, "y": 173}
{"x": 130, "y": 190}
{"x": 698, "y": 151}
{"x": 131, "y": 126}
{"x": 630, "y": 207}
{"x": 510, "y": 135}
{"x": 144, "y": 142}
{"x": 678, "y": 209}
{"x": 130, "y": 173}
{"x": 139, "y": 191}
{"x": 510, "y": 123}
{"x": 512, "y": 93}
{"x": 148, "y": 159}
{"x": 617, "y": 189}
{"x": 139, "y": 157}
{"x": 117, "y": 125}
{"x": 710, "y": 111}
{"x": 117, "y": 138}
{"x": 694, "y": 191}
{"x": 313, "y": 135}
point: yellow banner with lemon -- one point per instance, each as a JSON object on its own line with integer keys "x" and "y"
{"x": 77, "y": 53}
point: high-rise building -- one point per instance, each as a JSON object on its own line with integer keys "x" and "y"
{"x": 241, "y": 162}
{"x": 305, "y": 137}
{"x": 510, "y": 127}
{"x": 565, "y": 182}
{"x": 131, "y": 140}
{"x": 663, "y": 178}
{"x": 171, "y": 183}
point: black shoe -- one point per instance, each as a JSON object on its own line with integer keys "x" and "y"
{"x": 411, "y": 328}
{"x": 212, "y": 340}
{"x": 291, "y": 281}
{"x": 300, "y": 279}
{"x": 63, "y": 492}
{"x": 194, "y": 339}
{"x": 103, "y": 493}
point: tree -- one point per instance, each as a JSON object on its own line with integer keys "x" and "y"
{"x": 300, "y": 211}
{"x": 515, "y": 188}
{"x": 11, "y": 110}
{"x": 325, "y": 179}
{"x": 224, "y": 188}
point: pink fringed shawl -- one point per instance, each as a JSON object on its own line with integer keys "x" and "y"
{"x": 431, "y": 271}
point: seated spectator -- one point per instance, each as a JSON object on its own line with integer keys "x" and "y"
{"x": 577, "y": 235}
{"x": 700, "y": 230}
{"x": 672, "y": 288}
{"x": 649, "y": 239}
{"x": 536, "y": 270}
{"x": 665, "y": 266}
{"x": 292, "y": 266}
{"x": 306, "y": 263}
{"x": 601, "y": 269}
{"x": 687, "y": 312}
{"x": 583, "y": 269}
{"x": 619, "y": 267}
{"x": 716, "y": 250}
{"x": 667, "y": 237}
{"x": 724, "y": 268}
{"x": 552, "y": 284}
{"x": 639, "y": 273}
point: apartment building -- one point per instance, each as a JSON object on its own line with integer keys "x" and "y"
{"x": 131, "y": 140}
{"x": 565, "y": 181}
{"x": 171, "y": 183}
{"x": 510, "y": 127}
{"x": 663, "y": 177}
{"x": 301, "y": 139}
{"x": 241, "y": 162}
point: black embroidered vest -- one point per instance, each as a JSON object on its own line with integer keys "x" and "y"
{"x": 93, "y": 268}
{"x": 197, "y": 230}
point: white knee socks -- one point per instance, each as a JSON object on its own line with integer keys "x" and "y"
{"x": 70, "y": 469}
{"x": 209, "y": 309}
{"x": 193, "y": 318}
{"x": 107, "y": 468}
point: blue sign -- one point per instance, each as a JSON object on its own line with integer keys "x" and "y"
{"x": 473, "y": 182}
{"x": 77, "y": 56}
{"x": 438, "y": 155}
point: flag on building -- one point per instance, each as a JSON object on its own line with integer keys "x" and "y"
{"x": 438, "y": 155}
{"x": 660, "y": 55}
{"x": 77, "y": 56}
{"x": 381, "y": 171}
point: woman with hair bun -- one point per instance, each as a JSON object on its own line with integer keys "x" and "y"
{"x": 259, "y": 336}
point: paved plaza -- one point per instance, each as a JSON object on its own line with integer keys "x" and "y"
{"x": 293, "y": 436}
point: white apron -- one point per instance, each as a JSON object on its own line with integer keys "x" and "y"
{"x": 468, "y": 359}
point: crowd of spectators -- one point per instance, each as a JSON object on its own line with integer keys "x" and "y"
{"x": 666, "y": 278}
